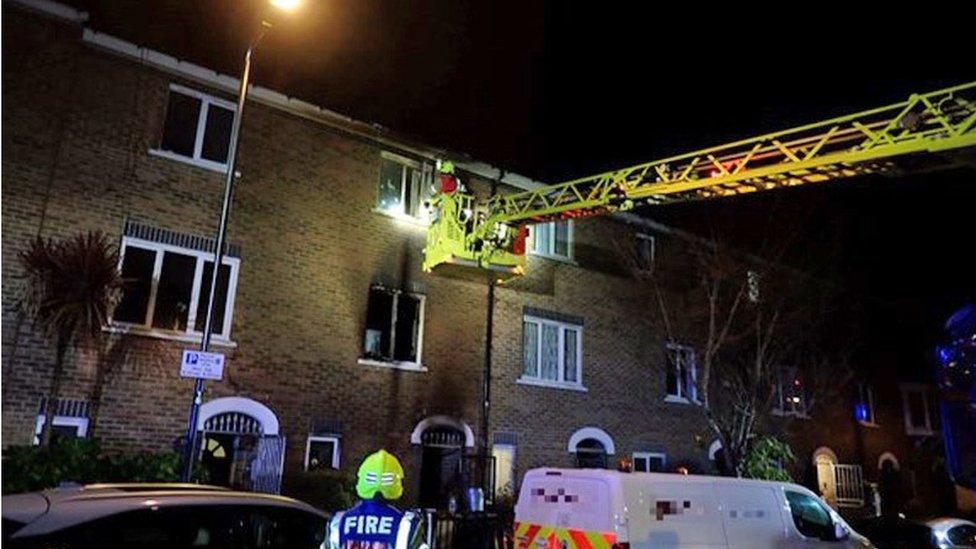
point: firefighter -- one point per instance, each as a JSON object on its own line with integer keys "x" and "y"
{"x": 374, "y": 523}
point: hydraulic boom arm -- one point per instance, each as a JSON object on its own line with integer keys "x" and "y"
{"x": 902, "y": 136}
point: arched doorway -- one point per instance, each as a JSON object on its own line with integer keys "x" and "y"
{"x": 591, "y": 447}
{"x": 825, "y": 460}
{"x": 442, "y": 441}
{"x": 240, "y": 446}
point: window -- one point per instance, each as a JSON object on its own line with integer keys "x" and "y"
{"x": 62, "y": 427}
{"x": 790, "y": 398}
{"x": 864, "y": 407}
{"x": 196, "y": 129}
{"x": 321, "y": 452}
{"x": 811, "y": 518}
{"x": 591, "y": 454}
{"x": 404, "y": 187}
{"x": 552, "y": 353}
{"x": 167, "y": 289}
{"x": 394, "y": 327}
{"x": 554, "y": 239}
{"x": 504, "y": 455}
{"x": 681, "y": 378}
{"x": 915, "y": 400}
{"x": 649, "y": 462}
{"x": 644, "y": 251}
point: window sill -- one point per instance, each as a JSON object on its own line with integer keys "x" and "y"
{"x": 919, "y": 432}
{"x": 167, "y": 335}
{"x": 403, "y": 217}
{"x": 556, "y": 258}
{"x": 870, "y": 424}
{"x": 680, "y": 400}
{"x": 406, "y": 366}
{"x": 551, "y": 384}
{"x": 207, "y": 165}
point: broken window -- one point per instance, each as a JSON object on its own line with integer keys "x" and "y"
{"x": 405, "y": 186}
{"x": 681, "y": 378}
{"x": 393, "y": 326}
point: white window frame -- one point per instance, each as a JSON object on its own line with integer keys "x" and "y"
{"x": 560, "y": 383}
{"x": 415, "y": 366}
{"x": 648, "y": 456}
{"x": 205, "y": 101}
{"x": 865, "y": 395}
{"x": 551, "y": 252}
{"x": 682, "y": 398}
{"x": 778, "y": 409}
{"x": 79, "y": 423}
{"x": 426, "y": 178}
{"x": 334, "y": 439}
{"x": 190, "y": 334}
{"x": 910, "y": 429}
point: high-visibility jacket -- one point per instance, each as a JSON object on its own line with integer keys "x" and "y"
{"x": 373, "y": 524}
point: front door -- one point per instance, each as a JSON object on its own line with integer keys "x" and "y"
{"x": 440, "y": 467}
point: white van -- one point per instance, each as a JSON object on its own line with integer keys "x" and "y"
{"x": 584, "y": 508}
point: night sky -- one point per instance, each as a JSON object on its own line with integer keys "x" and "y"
{"x": 565, "y": 89}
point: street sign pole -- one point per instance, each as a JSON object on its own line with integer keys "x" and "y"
{"x": 191, "y": 429}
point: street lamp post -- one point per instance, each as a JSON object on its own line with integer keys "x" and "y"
{"x": 191, "y": 429}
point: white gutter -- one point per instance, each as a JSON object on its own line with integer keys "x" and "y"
{"x": 53, "y": 9}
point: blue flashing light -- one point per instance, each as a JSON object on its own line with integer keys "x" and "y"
{"x": 861, "y": 411}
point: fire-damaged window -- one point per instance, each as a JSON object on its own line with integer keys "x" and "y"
{"x": 404, "y": 187}
{"x": 681, "y": 375}
{"x": 167, "y": 288}
{"x": 394, "y": 326}
{"x": 196, "y": 129}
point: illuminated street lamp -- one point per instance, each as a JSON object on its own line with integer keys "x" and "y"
{"x": 191, "y": 431}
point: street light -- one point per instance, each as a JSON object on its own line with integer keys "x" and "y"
{"x": 191, "y": 430}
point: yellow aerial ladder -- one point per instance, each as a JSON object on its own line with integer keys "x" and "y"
{"x": 924, "y": 132}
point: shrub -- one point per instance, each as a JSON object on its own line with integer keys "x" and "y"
{"x": 767, "y": 459}
{"x": 329, "y": 490}
{"x": 81, "y": 460}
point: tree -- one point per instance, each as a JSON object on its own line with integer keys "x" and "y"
{"x": 746, "y": 318}
{"x": 71, "y": 287}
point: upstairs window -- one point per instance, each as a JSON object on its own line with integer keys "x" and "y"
{"x": 197, "y": 128}
{"x": 167, "y": 289}
{"x": 394, "y": 327}
{"x": 405, "y": 185}
{"x": 554, "y": 239}
{"x": 551, "y": 352}
{"x": 864, "y": 406}
{"x": 791, "y": 396}
{"x": 681, "y": 377}
{"x": 915, "y": 400}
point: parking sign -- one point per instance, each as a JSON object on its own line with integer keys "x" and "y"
{"x": 197, "y": 364}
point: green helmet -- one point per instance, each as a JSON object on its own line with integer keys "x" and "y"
{"x": 445, "y": 166}
{"x": 380, "y": 472}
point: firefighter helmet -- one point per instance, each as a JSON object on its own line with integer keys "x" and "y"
{"x": 381, "y": 473}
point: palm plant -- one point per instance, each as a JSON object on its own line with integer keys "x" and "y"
{"x": 72, "y": 286}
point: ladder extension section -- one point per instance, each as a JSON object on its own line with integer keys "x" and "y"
{"x": 865, "y": 142}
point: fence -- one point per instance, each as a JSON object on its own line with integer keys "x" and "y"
{"x": 469, "y": 530}
{"x": 849, "y": 483}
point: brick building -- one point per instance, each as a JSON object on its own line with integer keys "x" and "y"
{"x": 336, "y": 342}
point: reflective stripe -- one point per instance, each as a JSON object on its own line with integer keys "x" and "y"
{"x": 403, "y": 531}
{"x": 530, "y": 535}
{"x": 334, "y": 530}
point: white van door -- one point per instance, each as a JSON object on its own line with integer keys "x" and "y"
{"x": 751, "y": 514}
{"x": 663, "y": 513}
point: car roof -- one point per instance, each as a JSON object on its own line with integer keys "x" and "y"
{"x": 948, "y": 522}
{"x": 52, "y": 510}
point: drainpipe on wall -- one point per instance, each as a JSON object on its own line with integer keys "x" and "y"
{"x": 489, "y": 325}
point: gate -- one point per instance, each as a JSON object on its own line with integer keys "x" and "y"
{"x": 849, "y": 483}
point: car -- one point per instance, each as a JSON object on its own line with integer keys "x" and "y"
{"x": 575, "y": 508}
{"x": 159, "y": 515}
{"x": 900, "y": 533}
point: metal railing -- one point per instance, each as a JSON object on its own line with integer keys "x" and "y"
{"x": 486, "y": 530}
{"x": 849, "y": 483}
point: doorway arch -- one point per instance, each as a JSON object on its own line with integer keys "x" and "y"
{"x": 240, "y": 444}
{"x": 442, "y": 441}
{"x": 825, "y": 461}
